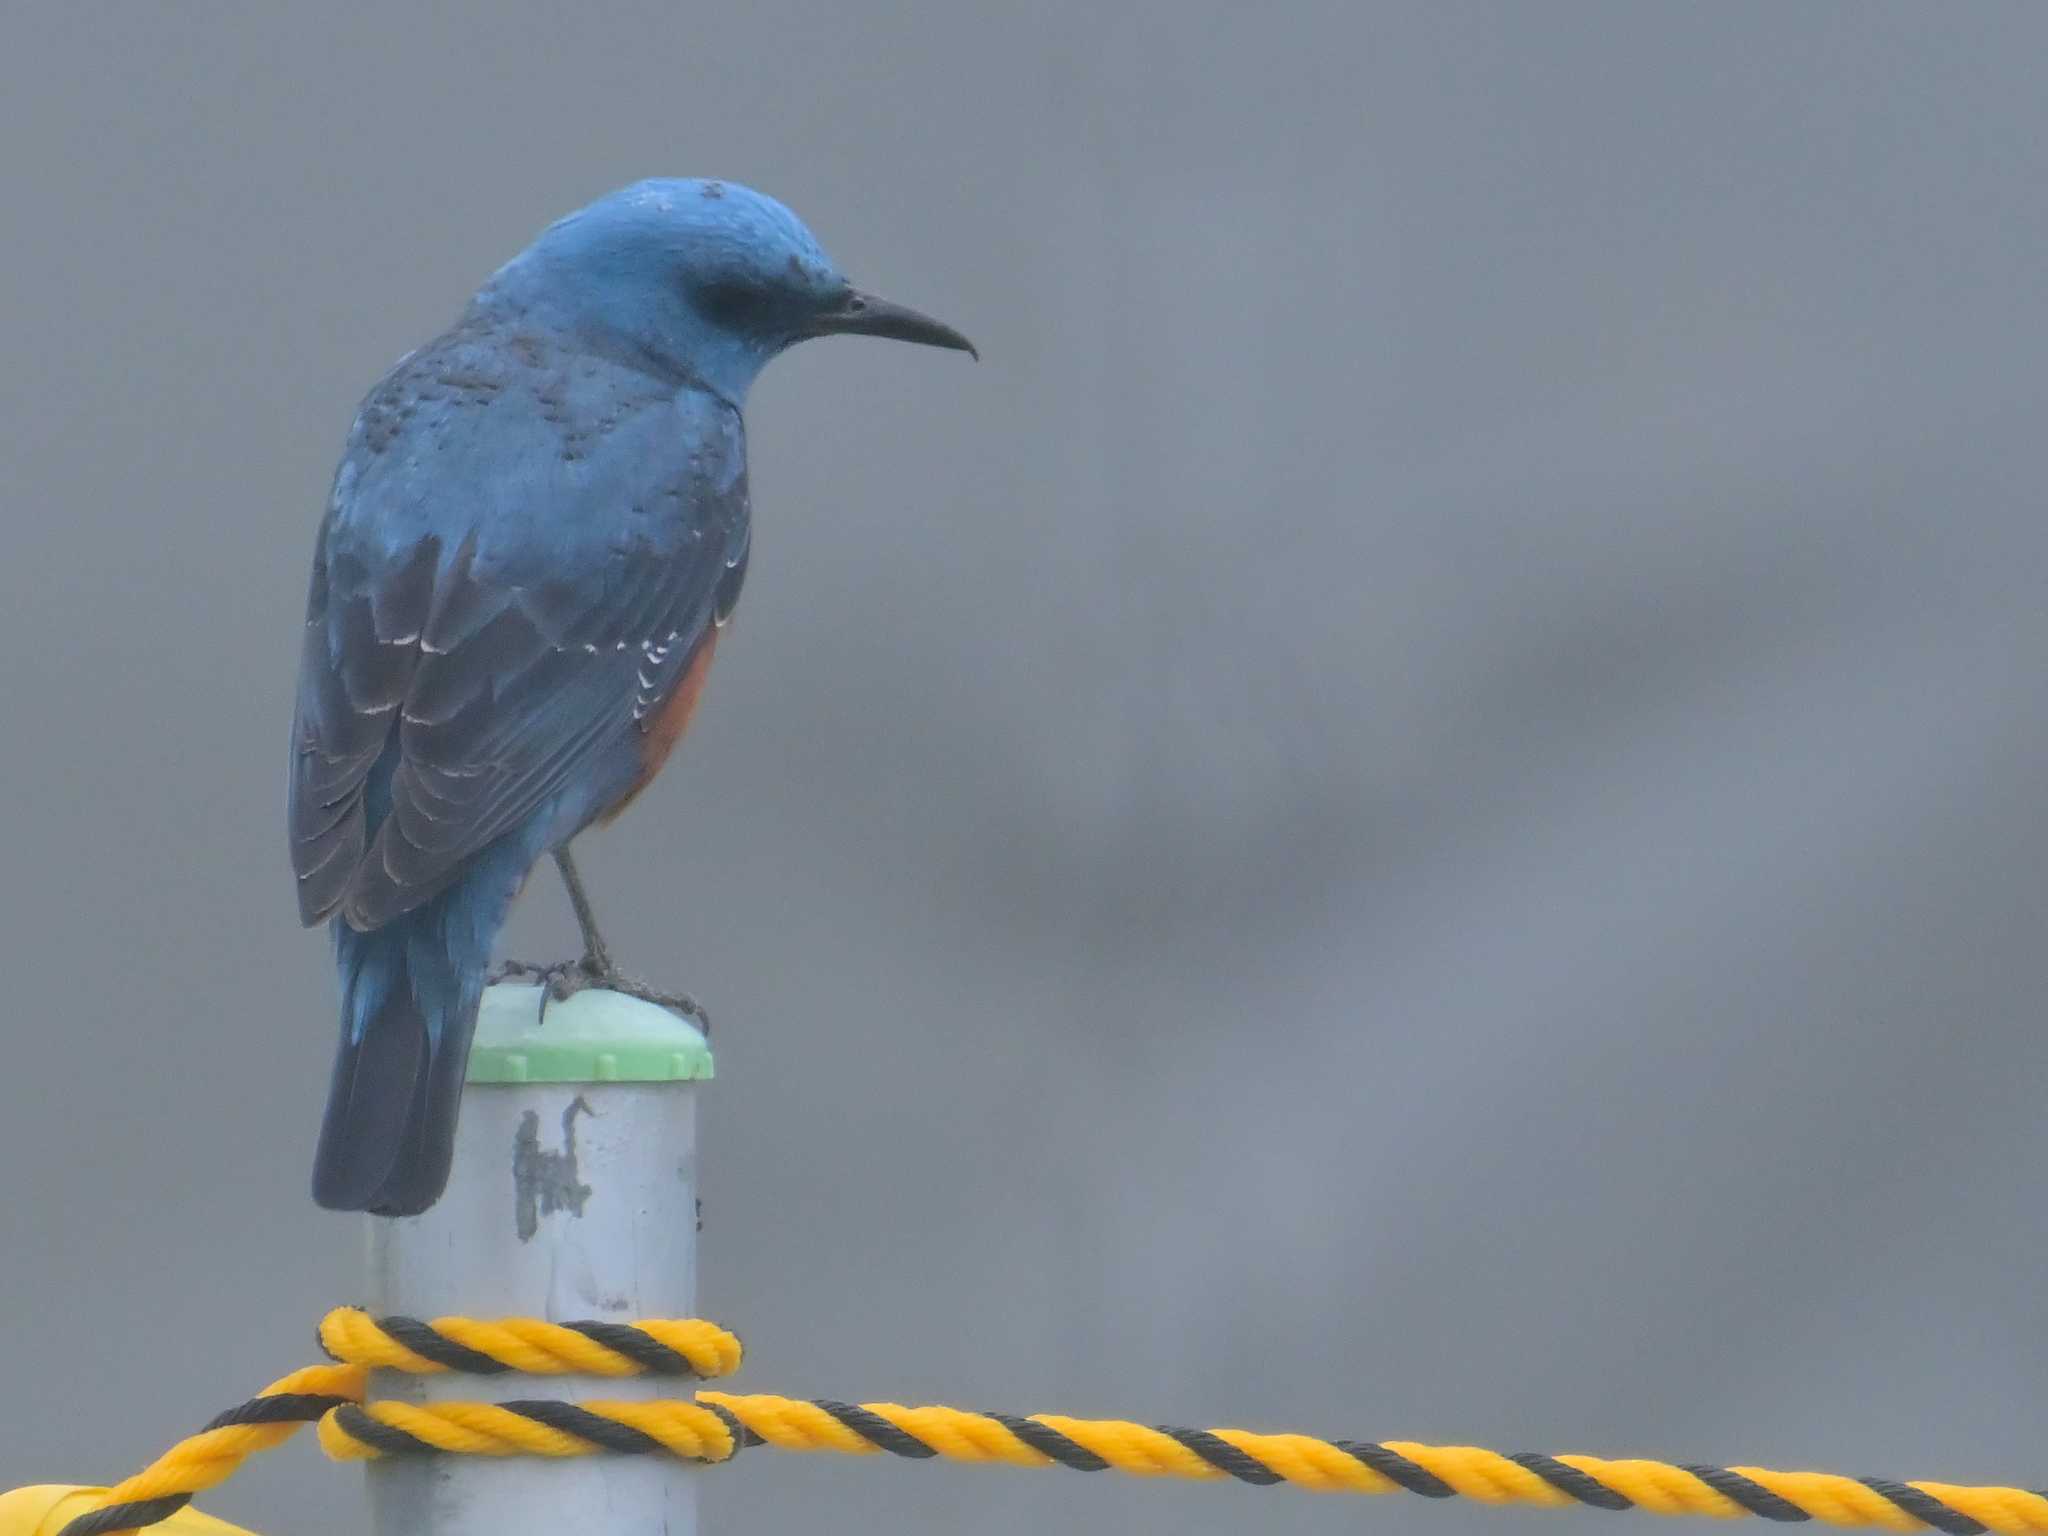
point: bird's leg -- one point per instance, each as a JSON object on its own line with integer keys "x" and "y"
{"x": 597, "y": 959}
{"x": 567, "y": 976}
{"x": 596, "y": 968}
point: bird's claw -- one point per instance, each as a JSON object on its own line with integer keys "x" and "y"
{"x": 550, "y": 977}
{"x": 565, "y": 978}
{"x": 674, "y": 1002}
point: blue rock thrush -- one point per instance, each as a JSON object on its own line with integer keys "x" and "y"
{"x": 538, "y": 527}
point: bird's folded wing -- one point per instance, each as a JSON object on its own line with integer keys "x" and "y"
{"x": 442, "y": 705}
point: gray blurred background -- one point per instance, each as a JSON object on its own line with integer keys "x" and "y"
{"x": 1415, "y": 813}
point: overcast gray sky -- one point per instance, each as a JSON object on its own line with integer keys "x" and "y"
{"x": 1413, "y": 813}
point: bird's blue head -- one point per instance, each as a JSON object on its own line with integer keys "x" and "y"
{"x": 707, "y": 279}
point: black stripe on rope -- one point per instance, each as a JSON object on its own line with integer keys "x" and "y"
{"x": 1925, "y": 1507}
{"x": 1581, "y": 1486}
{"x": 439, "y": 1348}
{"x": 1047, "y": 1441}
{"x": 125, "y": 1517}
{"x": 1397, "y": 1468}
{"x": 279, "y": 1408}
{"x": 876, "y": 1430}
{"x": 1224, "y": 1456}
{"x": 380, "y": 1437}
{"x": 608, "y": 1434}
{"x": 643, "y": 1349}
{"x": 741, "y": 1435}
{"x": 1750, "y": 1494}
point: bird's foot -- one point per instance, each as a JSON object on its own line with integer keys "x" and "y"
{"x": 551, "y": 977}
{"x": 564, "y": 979}
{"x": 611, "y": 980}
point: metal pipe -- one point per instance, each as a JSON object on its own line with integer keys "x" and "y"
{"x": 573, "y": 1196}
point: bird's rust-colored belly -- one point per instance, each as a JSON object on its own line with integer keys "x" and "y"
{"x": 665, "y": 727}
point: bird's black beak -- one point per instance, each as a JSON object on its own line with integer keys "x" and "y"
{"x": 862, "y": 314}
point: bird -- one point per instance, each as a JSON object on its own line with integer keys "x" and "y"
{"x": 537, "y": 531}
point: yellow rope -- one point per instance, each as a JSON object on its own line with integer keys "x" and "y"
{"x": 215, "y": 1454}
{"x": 528, "y": 1345}
{"x": 1656, "y": 1487}
{"x": 680, "y": 1427}
{"x": 714, "y": 1425}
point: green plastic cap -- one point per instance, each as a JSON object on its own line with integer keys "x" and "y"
{"x": 592, "y": 1037}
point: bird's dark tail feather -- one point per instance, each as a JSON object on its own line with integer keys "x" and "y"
{"x": 389, "y": 1135}
{"x": 409, "y": 994}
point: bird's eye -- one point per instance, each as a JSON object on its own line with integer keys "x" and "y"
{"x": 728, "y": 301}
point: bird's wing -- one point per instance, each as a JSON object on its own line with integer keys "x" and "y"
{"x": 356, "y": 661}
{"x": 453, "y": 688}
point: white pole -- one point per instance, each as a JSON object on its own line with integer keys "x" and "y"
{"x": 573, "y": 1196}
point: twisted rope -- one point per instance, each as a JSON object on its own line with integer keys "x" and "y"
{"x": 714, "y": 1426}
{"x": 217, "y": 1452}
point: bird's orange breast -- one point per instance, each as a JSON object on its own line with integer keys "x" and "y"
{"x": 664, "y": 728}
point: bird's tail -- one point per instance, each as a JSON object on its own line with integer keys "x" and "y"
{"x": 409, "y": 995}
